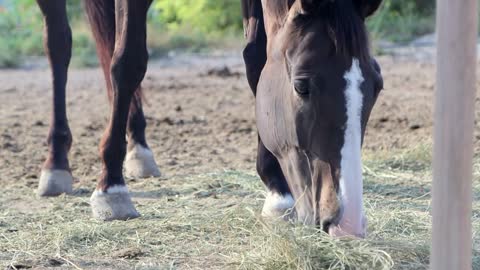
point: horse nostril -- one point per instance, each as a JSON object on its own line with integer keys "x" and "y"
{"x": 326, "y": 225}
{"x": 302, "y": 86}
{"x": 331, "y": 220}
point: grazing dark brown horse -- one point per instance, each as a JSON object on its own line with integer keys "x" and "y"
{"x": 119, "y": 27}
{"x": 308, "y": 63}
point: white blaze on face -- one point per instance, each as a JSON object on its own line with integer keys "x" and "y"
{"x": 351, "y": 183}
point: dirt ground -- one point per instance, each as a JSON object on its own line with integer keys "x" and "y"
{"x": 200, "y": 116}
{"x": 199, "y": 119}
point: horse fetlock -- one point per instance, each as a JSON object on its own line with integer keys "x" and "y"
{"x": 63, "y": 135}
{"x": 112, "y": 153}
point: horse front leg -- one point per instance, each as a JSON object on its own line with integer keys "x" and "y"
{"x": 56, "y": 177}
{"x": 111, "y": 199}
{"x": 279, "y": 199}
{"x": 140, "y": 161}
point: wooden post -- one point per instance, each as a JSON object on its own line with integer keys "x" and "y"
{"x": 453, "y": 140}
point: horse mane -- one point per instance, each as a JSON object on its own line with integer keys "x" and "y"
{"x": 249, "y": 9}
{"x": 278, "y": 10}
{"x": 345, "y": 27}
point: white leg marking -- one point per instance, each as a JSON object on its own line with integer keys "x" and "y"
{"x": 115, "y": 189}
{"x": 276, "y": 205}
{"x": 351, "y": 181}
{"x": 140, "y": 163}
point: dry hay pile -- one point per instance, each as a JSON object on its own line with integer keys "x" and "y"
{"x": 211, "y": 221}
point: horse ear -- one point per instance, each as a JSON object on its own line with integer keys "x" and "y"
{"x": 309, "y": 6}
{"x": 367, "y": 7}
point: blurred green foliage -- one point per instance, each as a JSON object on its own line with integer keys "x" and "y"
{"x": 403, "y": 20}
{"x": 206, "y": 16}
{"x": 20, "y": 32}
{"x": 184, "y": 24}
{"x": 193, "y": 25}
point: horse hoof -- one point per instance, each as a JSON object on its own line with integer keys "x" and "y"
{"x": 278, "y": 206}
{"x": 140, "y": 163}
{"x": 114, "y": 204}
{"x": 54, "y": 183}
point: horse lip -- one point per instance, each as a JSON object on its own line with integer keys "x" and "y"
{"x": 334, "y": 218}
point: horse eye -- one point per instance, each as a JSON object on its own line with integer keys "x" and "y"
{"x": 302, "y": 86}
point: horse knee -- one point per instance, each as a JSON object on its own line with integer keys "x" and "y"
{"x": 128, "y": 69}
{"x": 249, "y": 52}
{"x": 267, "y": 166}
{"x": 254, "y": 59}
{"x": 112, "y": 152}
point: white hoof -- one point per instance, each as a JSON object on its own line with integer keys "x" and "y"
{"x": 140, "y": 163}
{"x": 114, "y": 204}
{"x": 54, "y": 183}
{"x": 278, "y": 206}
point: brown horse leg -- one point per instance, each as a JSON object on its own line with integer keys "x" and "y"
{"x": 279, "y": 197}
{"x": 111, "y": 199}
{"x": 56, "y": 177}
{"x": 140, "y": 162}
